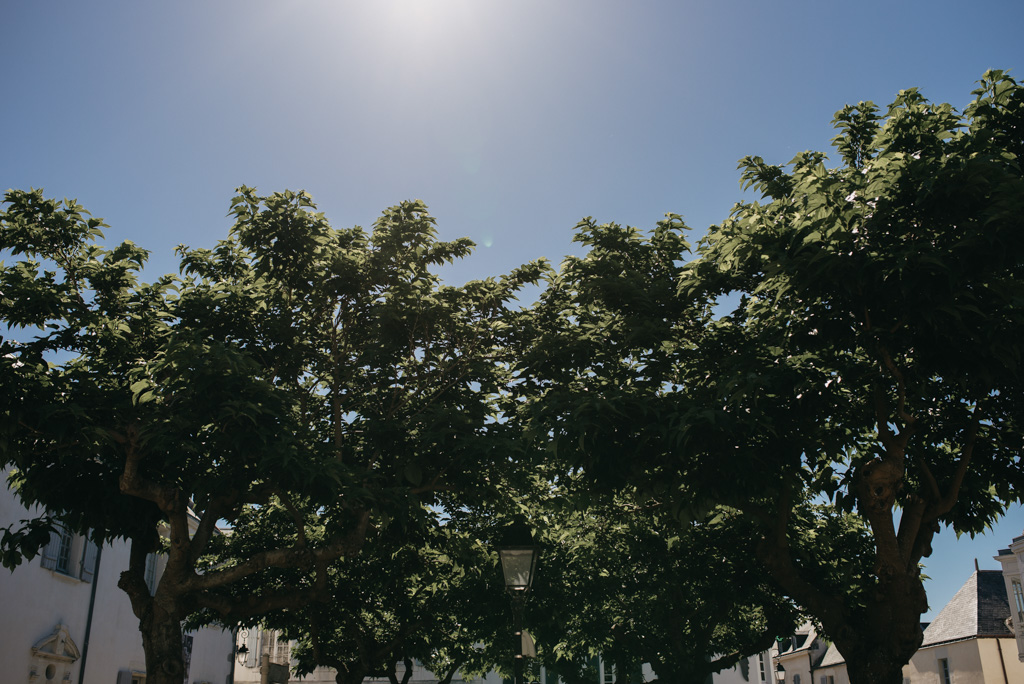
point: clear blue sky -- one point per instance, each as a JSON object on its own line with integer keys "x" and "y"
{"x": 512, "y": 120}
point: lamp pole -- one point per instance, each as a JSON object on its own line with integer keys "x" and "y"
{"x": 518, "y": 553}
{"x": 518, "y": 603}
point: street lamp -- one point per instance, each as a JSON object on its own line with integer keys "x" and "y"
{"x": 518, "y": 554}
{"x": 242, "y": 652}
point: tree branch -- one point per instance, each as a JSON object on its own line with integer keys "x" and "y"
{"x": 910, "y": 527}
{"x": 300, "y": 526}
{"x": 240, "y": 609}
{"x": 774, "y": 551}
{"x": 131, "y": 481}
{"x": 133, "y": 580}
{"x": 901, "y": 387}
{"x": 208, "y": 521}
{"x": 283, "y": 558}
{"x": 966, "y": 454}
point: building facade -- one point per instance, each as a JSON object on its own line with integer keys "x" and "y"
{"x": 1012, "y": 560}
{"x": 65, "y": 621}
{"x": 969, "y": 642}
{"x": 266, "y": 659}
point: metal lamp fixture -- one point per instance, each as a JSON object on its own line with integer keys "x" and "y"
{"x": 518, "y": 554}
{"x": 242, "y": 652}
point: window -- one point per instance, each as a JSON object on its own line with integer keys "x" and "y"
{"x": 796, "y": 679}
{"x": 62, "y": 562}
{"x": 761, "y": 662}
{"x": 131, "y": 677}
{"x": 70, "y": 554}
{"x": 1018, "y": 597}
{"x": 278, "y": 649}
{"x": 944, "y": 671}
{"x": 151, "y": 573}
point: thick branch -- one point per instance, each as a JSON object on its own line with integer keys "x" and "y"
{"x": 450, "y": 674}
{"x": 901, "y": 386}
{"x": 242, "y": 609}
{"x": 920, "y": 520}
{"x": 131, "y": 482}
{"x": 283, "y": 558}
{"x": 774, "y": 552}
{"x": 133, "y": 580}
{"x": 966, "y": 453}
{"x": 215, "y": 511}
{"x": 300, "y": 525}
{"x": 910, "y": 528}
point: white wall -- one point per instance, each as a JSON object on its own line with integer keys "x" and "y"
{"x": 34, "y": 600}
{"x": 734, "y": 675}
{"x": 1013, "y": 569}
{"x": 963, "y": 657}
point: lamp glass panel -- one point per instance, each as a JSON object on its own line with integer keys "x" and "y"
{"x": 516, "y": 564}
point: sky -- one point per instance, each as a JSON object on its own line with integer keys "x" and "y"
{"x": 512, "y": 120}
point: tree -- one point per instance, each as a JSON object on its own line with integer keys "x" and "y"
{"x": 853, "y": 339}
{"x": 626, "y": 581}
{"x": 425, "y": 593}
{"x": 326, "y": 370}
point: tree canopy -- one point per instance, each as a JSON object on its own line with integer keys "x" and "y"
{"x": 625, "y": 581}
{"x": 852, "y": 338}
{"x": 426, "y": 593}
{"x": 327, "y": 370}
{"x": 826, "y": 379}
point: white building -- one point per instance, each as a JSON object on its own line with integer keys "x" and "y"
{"x": 800, "y": 654}
{"x": 64, "y": 620}
{"x": 1012, "y": 560}
{"x": 266, "y": 659}
{"x": 969, "y": 642}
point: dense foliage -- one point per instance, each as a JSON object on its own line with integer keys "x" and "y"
{"x": 627, "y": 582}
{"x": 854, "y": 338}
{"x": 326, "y": 370}
{"x": 830, "y": 376}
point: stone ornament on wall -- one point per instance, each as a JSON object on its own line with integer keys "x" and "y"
{"x": 52, "y": 658}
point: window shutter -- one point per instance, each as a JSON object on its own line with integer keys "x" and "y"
{"x": 88, "y": 560}
{"x": 253, "y": 644}
{"x": 52, "y": 550}
{"x": 124, "y": 677}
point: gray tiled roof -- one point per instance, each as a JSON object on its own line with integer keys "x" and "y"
{"x": 832, "y": 657}
{"x": 979, "y": 609}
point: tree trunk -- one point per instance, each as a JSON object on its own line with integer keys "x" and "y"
{"x": 682, "y": 672}
{"x": 159, "y": 617}
{"x": 451, "y": 674}
{"x": 878, "y": 671}
{"x": 877, "y": 639}
{"x": 889, "y": 634}
{"x": 356, "y": 676}
{"x": 161, "y": 642}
